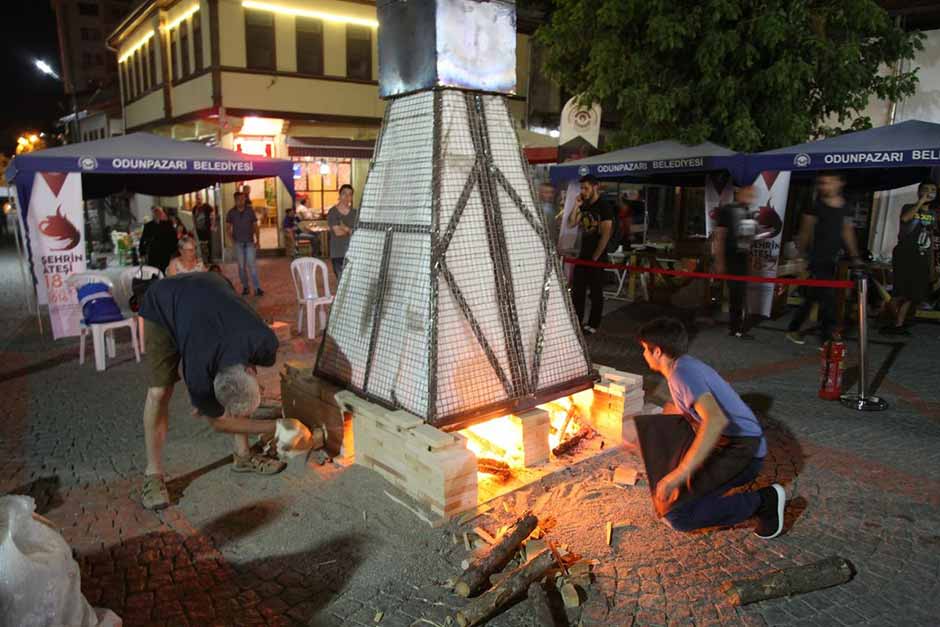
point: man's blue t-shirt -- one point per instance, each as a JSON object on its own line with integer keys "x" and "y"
{"x": 692, "y": 378}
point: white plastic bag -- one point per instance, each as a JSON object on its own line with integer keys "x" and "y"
{"x": 293, "y": 438}
{"x": 40, "y": 584}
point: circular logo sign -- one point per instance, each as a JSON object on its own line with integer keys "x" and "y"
{"x": 88, "y": 163}
{"x": 802, "y": 160}
{"x": 584, "y": 170}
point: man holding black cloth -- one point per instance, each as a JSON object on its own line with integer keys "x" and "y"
{"x": 708, "y": 443}
{"x": 595, "y": 217}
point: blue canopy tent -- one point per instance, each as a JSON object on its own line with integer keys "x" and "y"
{"x": 880, "y": 158}
{"x": 666, "y": 162}
{"x": 145, "y": 164}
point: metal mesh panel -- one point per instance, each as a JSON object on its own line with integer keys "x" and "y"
{"x": 504, "y": 327}
{"x": 399, "y": 362}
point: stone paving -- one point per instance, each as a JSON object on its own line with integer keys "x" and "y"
{"x": 324, "y": 545}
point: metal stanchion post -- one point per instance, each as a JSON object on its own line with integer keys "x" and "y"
{"x": 861, "y": 401}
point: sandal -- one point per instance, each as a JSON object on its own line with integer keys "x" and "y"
{"x": 252, "y": 462}
{"x": 153, "y": 493}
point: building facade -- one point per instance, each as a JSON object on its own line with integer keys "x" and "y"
{"x": 294, "y": 79}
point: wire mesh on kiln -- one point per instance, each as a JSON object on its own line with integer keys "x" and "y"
{"x": 451, "y": 305}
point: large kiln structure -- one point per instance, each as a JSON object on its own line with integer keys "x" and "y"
{"x": 452, "y": 308}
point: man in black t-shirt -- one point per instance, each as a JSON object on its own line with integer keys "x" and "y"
{"x": 733, "y": 241}
{"x": 827, "y": 225}
{"x": 196, "y": 320}
{"x": 595, "y": 218}
{"x": 913, "y": 257}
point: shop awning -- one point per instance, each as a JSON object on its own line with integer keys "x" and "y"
{"x": 330, "y": 147}
{"x": 665, "y": 162}
{"x": 144, "y": 163}
{"x": 886, "y": 157}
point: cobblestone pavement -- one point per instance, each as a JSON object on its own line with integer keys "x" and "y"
{"x": 324, "y": 545}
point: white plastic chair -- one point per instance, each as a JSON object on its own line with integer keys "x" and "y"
{"x": 102, "y": 334}
{"x": 127, "y": 287}
{"x": 306, "y": 273}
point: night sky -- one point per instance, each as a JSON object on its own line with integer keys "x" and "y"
{"x": 31, "y": 100}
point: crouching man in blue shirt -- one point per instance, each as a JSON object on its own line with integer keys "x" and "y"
{"x": 711, "y": 444}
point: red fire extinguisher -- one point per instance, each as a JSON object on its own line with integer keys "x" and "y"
{"x": 830, "y": 387}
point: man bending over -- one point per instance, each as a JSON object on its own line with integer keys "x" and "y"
{"x": 199, "y": 321}
{"x": 710, "y": 445}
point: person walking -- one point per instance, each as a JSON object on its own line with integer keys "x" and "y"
{"x": 594, "y": 216}
{"x": 196, "y": 321}
{"x": 244, "y": 233}
{"x": 158, "y": 240}
{"x": 824, "y": 229}
{"x": 710, "y": 444}
{"x": 203, "y": 218}
{"x": 341, "y": 220}
{"x": 731, "y": 247}
{"x": 912, "y": 259}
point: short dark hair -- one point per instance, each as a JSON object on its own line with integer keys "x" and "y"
{"x": 924, "y": 183}
{"x": 589, "y": 178}
{"x": 836, "y": 174}
{"x": 345, "y": 186}
{"x": 668, "y": 334}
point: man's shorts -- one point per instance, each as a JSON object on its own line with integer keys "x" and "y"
{"x": 162, "y": 355}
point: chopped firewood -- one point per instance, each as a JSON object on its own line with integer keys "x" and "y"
{"x": 473, "y": 513}
{"x": 466, "y": 541}
{"x": 378, "y": 617}
{"x": 569, "y": 594}
{"x": 557, "y": 555}
{"x": 570, "y": 443}
{"x": 829, "y": 572}
{"x": 625, "y": 475}
{"x": 497, "y": 578}
{"x": 502, "y": 531}
{"x": 480, "y": 531}
{"x": 514, "y": 586}
{"x": 538, "y": 602}
{"x": 533, "y": 546}
{"x": 572, "y": 410}
{"x": 494, "y": 467}
{"x": 609, "y": 531}
{"x": 495, "y": 558}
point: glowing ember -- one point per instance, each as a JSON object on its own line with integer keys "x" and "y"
{"x": 503, "y": 439}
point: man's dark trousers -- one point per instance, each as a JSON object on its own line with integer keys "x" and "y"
{"x": 825, "y": 296}
{"x": 737, "y": 264}
{"x": 588, "y": 278}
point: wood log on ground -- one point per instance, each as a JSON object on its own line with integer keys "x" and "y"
{"x": 513, "y": 587}
{"x": 573, "y": 441}
{"x": 829, "y": 572}
{"x": 541, "y": 610}
{"x": 494, "y": 467}
{"x": 476, "y": 576}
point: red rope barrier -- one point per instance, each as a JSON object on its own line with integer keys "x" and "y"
{"x": 707, "y": 275}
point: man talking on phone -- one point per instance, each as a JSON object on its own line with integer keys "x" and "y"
{"x": 595, "y": 218}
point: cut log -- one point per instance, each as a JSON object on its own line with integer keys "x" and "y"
{"x": 513, "y": 587}
{"x": 573, "y": 441}
{"x": 569, "y": 594}
{"x": 494, "y": 467}
{"x": 485, "y": 444}
{"x": 829, "y": 572}
{"x": 541, "y": 610}
{"x": 495, "y": 559}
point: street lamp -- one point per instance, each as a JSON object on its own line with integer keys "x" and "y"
{"x": 46, "y": 69}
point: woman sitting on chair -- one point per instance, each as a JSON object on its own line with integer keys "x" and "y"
{"x": 187, "y": 261}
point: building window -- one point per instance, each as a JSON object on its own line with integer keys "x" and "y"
{"x": 174, "y": 55}
{"x": 309, "y": 46}
{"x": 197, "y": 41}
{"x": 87, "y": 8}
{"x": 86, "y": 59}
{"x": 184, "y": 48}
{"x": 84, "y": 34}
{"x": 259, "y": 40}
{"x": 138, "y": 72}
{"x": 359, "y": 52}
{"x": 152, "y": 62}
{"x": 99, "y": 59}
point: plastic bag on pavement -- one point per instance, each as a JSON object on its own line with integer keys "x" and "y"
{"x": 293, "y": 438}
{"x": 40, "y": 583}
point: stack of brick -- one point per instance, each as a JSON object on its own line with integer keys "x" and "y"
{"x": 617, "y": 398}
{"x": 433, "y": 467}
